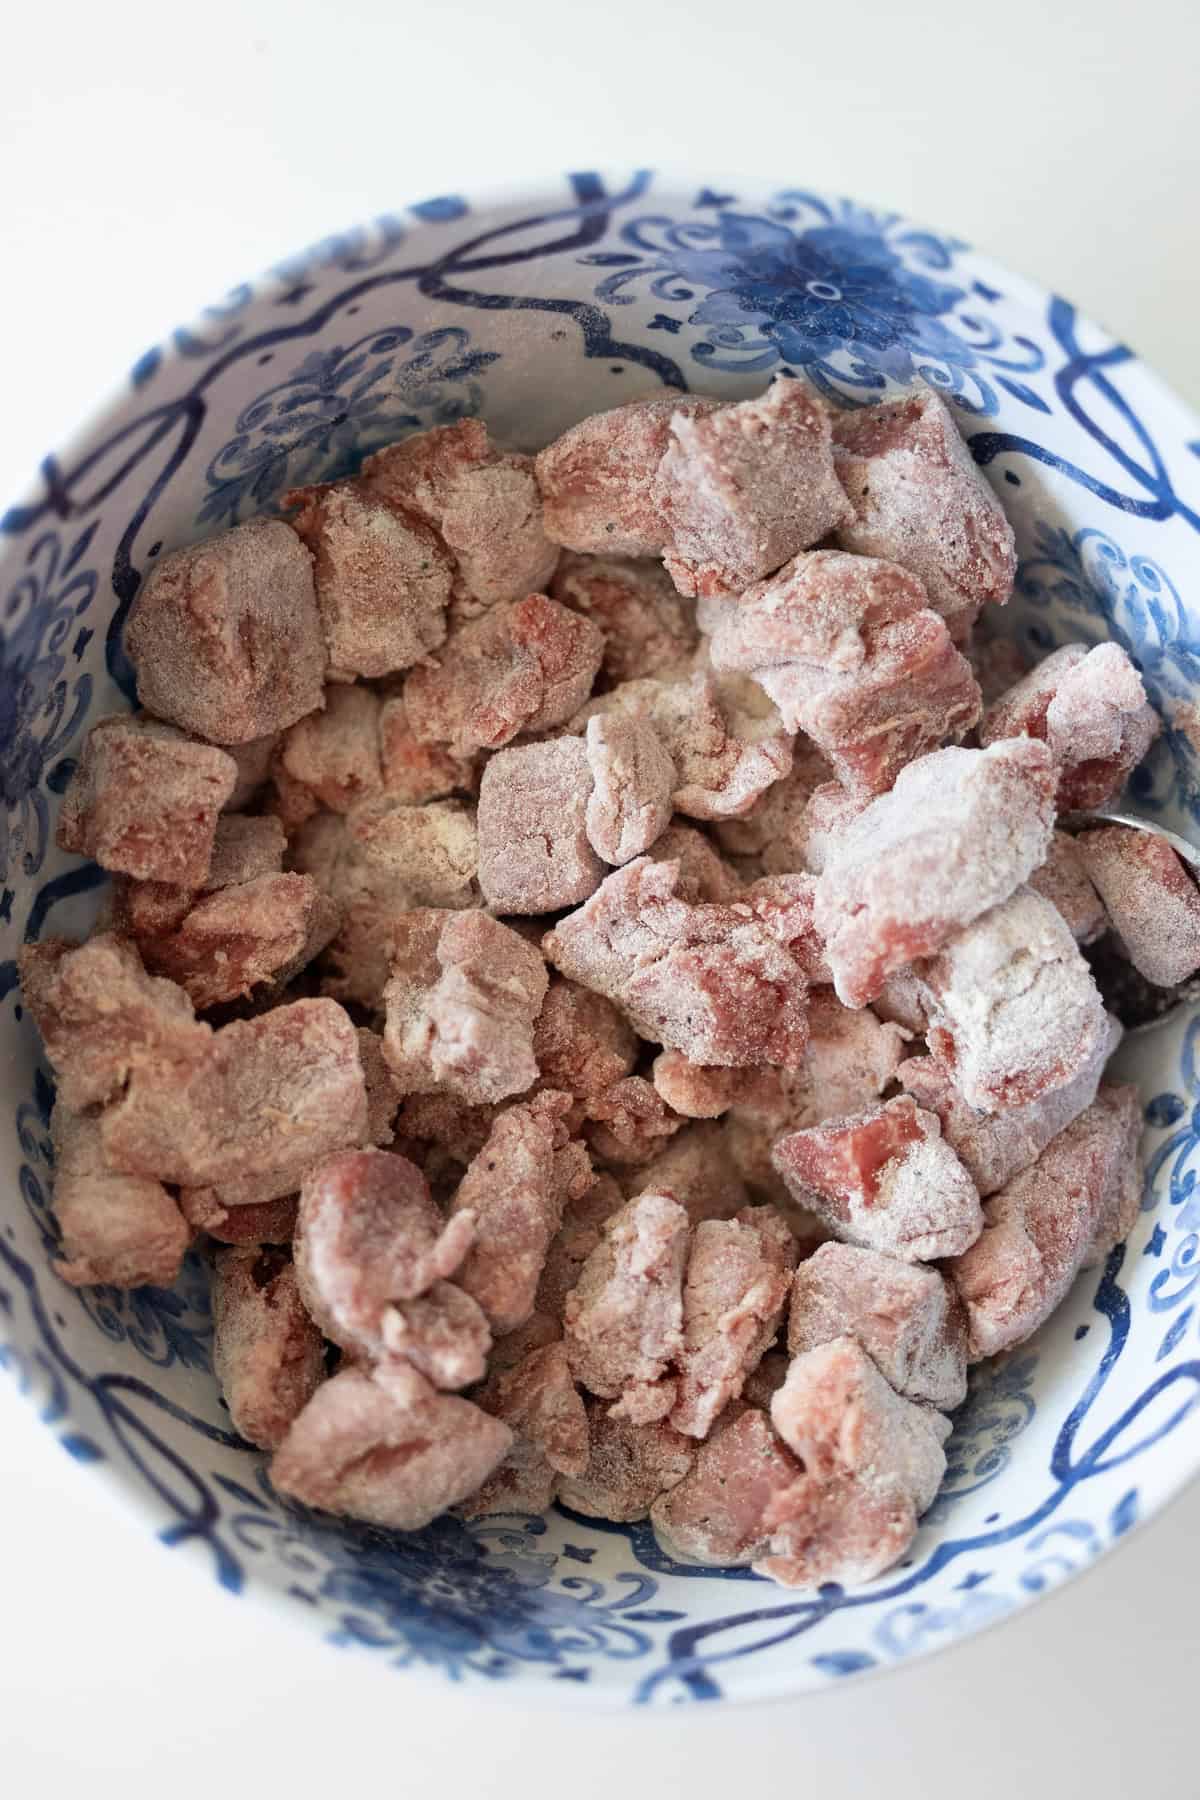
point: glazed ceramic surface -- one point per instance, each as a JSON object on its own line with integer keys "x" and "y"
{"x": 531, "y": 313}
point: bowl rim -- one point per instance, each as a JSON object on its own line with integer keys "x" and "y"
{"x": 535, "y": 1689}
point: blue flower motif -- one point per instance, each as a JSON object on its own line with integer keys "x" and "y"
{"x": 823, "y": 291}
{"x": 165, "y": 1325}
{"x": 460, "y": 1598}
{"x": 854, "y": 298}
{"x": 338, "y": 406}
{"x": 41, "y": 704}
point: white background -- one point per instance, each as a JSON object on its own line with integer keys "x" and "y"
{"x": 151, "y": 156}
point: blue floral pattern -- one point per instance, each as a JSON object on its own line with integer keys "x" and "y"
{"x": 852, "y": 297}
{"x": 467, "y": 1599}
{"x": 44, "y": 695}
{"x": 598, "y": 294}
{"x": 335, "y": 408}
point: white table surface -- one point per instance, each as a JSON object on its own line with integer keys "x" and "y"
{"x": 152, "y": 156}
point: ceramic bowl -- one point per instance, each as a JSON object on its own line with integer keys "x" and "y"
{"x": 532, "y": 312}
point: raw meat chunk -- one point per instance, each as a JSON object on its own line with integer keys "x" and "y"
{"x": 115, "y": 1230}
{"x": 510, "y": 1190}
{"x": 698, "y": 1170}
{"x": 144, "y": 801}
{"x": 442, "y": 1333}
{"x": 786, "y": 905}
{"x": 534, "y": 854}
{"x": 598, "y": 479}
{"x": 232, "y": 941}
{"x": 993, "y": 1147}
{"x": 369, "y": 1235}
{"x": 482, "y": 1010}
{"x": 268, "y": 1097}
{"x": 851, "y": 1059}
{"x": 461, "y": 1002}
{"x": 818, "y": 612}
{"x": 633, "y": 780}
{"x": 919, "y": 499}
{"x": 581, "y": 1042}
{"x": 576, "y": 1238}
{"x": 731, "y": 750}
{"x": 703, "y": 872}
{"x": 267, "y": 1355}
{"x": 691, "y": 1089}
{"x": 484, "y": 503}
{"x": 389, "y": 889}
{"x": 744, "y": 488}
{"x": 1099, "y": 726}
{"x": 1121, "y": 1213}
{"x": 714, "y": 1516}
{"x": 415, "y": 772}
{"x": 524, "y": 666}
{"x": 830, "y": 811}
{"x": 708, "y": 980}
{"x": 253, "y": 767}
{"x": 629, "y": 1466}
{"x": 539, "y": 1402}
{"x": 225, "y": 635}
{"x": 1039, "y": 1230}
{"x": 850, "y": 653}
{"x": 914, "y": 692}
{"x": 739, "y": 1273}
{"x": 262, "y": 1222}
{"x": 630, "y": 1122}
{"x": 382, "y": 579}
{"x": 415, "y": 972}
{"x": 1013, "y": 1009}
{"x": 335, "y": 753}
{"x": 1063, "y": 880}
{"x": 101, "y": 1018}
{"x": 243, "y": 849}
{"x": 884, "y": 1179}
{"x": 395, "y": 1455}
{"x": 722, "y": 734}
{"x": 776, "y": 828}
{"x": 413, "y": 855}
{"x": 623, "y": 1322}
{"x": 1150, "y": 898}
{"x": 957, "y": 833}
{"x": 872, "y": 1464}
{"x": 648, "y": 629}
{"x": 1090, "y": 708}
{"x": 909, "y": 1320}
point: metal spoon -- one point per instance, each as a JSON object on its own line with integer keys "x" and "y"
{"x": 1139, "y": 1006}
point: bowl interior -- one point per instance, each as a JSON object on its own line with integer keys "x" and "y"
{"x": 533, "y": 312}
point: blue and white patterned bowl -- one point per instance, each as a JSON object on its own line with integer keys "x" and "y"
{"x": 534, "y": 312}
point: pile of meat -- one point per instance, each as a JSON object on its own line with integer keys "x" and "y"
{"x": 590, "y": 949}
